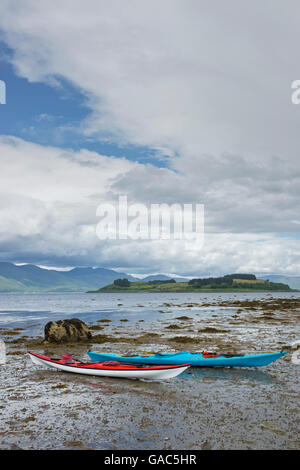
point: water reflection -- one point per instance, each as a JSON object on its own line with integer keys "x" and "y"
{"x": 211, "y": 374}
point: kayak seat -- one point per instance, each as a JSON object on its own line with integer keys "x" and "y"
{"x": 111, "y": 363}
{"x": 139, "y": 366}
{"x": 212, "y": 354}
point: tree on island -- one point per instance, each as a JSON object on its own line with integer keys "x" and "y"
{"x": 162, "y": 281}
{"x": 249, "y": 277}
{"x": 220, "y": 282}
{"x": 122, "y": 282}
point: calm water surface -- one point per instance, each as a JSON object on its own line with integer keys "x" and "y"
{"x": 33, "y": 311}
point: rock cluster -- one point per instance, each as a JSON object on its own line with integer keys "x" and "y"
{"x": 66, "y": 331}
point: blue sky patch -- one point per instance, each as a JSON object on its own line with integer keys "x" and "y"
{"x": 50, "y": 115}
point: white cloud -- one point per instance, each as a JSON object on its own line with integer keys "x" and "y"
{"x": 206, "y": 83}
{"x": 52, "y": 174}
{"x": 48, "y": 208}
{"x": 193, "y": 77}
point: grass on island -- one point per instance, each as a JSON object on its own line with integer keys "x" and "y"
{"x": 224, "y": 284}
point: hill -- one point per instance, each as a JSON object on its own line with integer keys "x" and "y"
{"x": 163, "y": 277}
{"x": 292, "y": 281}
{"x": 31, "y": 278}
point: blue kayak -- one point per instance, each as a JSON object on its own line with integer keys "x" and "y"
{"x": 195, "y": 359}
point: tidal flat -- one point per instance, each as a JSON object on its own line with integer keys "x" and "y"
{"x": 203, "y": 408}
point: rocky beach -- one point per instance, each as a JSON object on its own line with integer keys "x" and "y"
{"x": 204, "y": 408}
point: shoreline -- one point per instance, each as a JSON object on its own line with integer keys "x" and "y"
{"x": 249, "y": 408}
{"x": 148, "y": 291}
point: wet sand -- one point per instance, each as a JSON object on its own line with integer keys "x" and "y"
{"x": 228, "y": 408}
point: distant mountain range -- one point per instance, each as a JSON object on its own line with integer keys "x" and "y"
{"x": 31, "y": 278}
{"x": 162, "y": 277}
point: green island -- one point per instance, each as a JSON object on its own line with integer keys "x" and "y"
{"x": 227, "y": 283}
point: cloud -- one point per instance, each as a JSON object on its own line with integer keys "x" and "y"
{"x": 48, "y": 204}
{"x": 240, "y": 196}
{"x": 193, "y": 78}
{"x": 207, "y": 85}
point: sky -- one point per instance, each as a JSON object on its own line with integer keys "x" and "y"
{"x": 167, "y": 101}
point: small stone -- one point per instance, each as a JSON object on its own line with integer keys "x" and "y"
{"x": 206, "y": 446}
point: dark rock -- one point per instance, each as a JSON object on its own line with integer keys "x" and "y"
{"x": 68, "y": 330}
{"x": 15, "y": 447}
{"x": 206, "y": 446}
{"x": 209, "y": 329}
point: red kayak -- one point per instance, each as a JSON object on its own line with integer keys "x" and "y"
{"x": 109, "y": 368}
